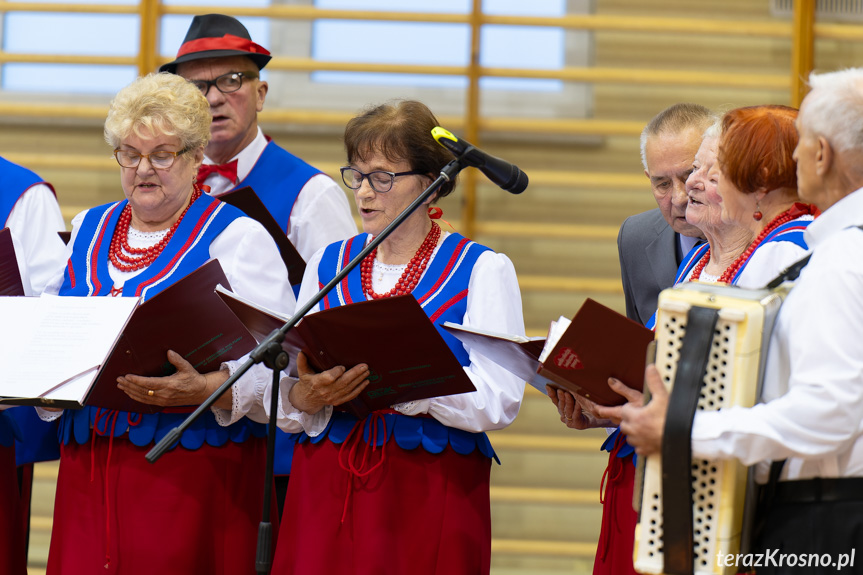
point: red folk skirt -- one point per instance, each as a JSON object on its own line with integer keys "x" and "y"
{"x": 617, "y": 534}
{"x": 193, "y": 511}
{"x": 401, "y": 511}
{"x": 13, "y": 519}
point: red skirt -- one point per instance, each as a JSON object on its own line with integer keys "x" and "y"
{"x": 617, "y": 535}
{"x": 13, "y": 519}
{"x": 193, "y": 511}
{"x": 417, "y": 512}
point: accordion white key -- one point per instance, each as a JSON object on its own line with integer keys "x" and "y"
{"x": 710, "y": 343}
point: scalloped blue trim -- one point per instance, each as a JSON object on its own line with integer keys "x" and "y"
{"x": 409, "y": 432}
{"x": 625, "y": 451}
{"x": 152, "y": 427}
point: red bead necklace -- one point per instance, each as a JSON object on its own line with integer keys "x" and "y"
{"x": 128, "y": 259}
{"x": 792, "y": 213}
{"x": 413, "y": 271}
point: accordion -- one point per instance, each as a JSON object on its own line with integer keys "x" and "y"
{"x": 711, "y": 342}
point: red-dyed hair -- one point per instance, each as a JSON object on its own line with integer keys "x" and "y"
{"x": 756, "y": 147}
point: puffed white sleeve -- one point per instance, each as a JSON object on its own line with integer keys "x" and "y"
{"x": 768, "y": 261}
{"x": 34, "y": 222}
{"x": 252, "y": 393}
{"x": 254, "y": 268}
{"x": 321, "y": 216}
{"x": 494, "y": 304}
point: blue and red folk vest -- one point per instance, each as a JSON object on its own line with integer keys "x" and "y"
{"x": 34, "y": 439}
{"x": 87, "y": 275}
{"x": 14, "y": 181}
{"x": 277, "y": 178}
{"x": 442, "y": 293}
{"x": 788, "y": 232}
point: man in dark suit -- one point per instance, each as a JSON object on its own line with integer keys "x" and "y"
{"x": 652, "y": 244}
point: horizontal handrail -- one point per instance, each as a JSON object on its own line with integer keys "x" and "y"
{"x": 557, "y": 443}
{"x": 573, "y": 549}
{"x": 543, "y": 495}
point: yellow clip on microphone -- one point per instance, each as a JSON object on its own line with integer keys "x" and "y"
{"x": 499, "y": 171}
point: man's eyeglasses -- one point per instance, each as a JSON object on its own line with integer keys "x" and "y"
{"x": 161, "y": 160}
{"x": 380, "y": 181}
{"x": 226, "y": 83}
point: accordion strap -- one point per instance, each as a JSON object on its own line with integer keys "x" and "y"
{"x": 677, "y": 524}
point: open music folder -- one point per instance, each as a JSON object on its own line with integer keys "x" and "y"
{"x": 248, "y": 201}
{"x": 597, "y": 343}
{"x": 407, "y": 357}
{"x": 69, "y": 351}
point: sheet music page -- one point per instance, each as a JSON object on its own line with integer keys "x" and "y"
{"x": 48, "y": 340}
{"x": 488, "y": 332}
{"x": 557, "y": 329}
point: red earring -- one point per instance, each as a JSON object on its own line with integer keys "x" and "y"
{"x": 757, "y": 216}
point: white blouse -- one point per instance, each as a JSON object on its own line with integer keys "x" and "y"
{"x": 34, "y": 223}
{"x": 493, "y": 303}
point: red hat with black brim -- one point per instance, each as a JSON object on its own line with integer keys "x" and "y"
{"x": 217, "y": 36}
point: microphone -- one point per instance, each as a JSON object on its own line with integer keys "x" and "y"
{"x": 500, "y": 172}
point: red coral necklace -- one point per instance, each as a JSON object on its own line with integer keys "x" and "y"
{"x": 128, "y": 259}
{"x": 792, "y": 213}
{"x": 413, "y": 271}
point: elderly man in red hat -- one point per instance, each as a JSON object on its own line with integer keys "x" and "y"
{"x": 219, "y": 56}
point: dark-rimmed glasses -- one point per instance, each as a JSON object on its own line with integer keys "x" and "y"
{"x": 161, "y": 160}
{"x": 380, "y": 181}
{"x": 226, "y": 83}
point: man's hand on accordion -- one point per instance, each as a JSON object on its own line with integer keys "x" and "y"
{"x": 642, "y": 424}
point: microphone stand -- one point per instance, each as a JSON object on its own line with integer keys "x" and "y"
{"x": 270, "y": 352}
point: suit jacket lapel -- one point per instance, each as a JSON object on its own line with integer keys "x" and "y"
{"x": 662, "y": 255}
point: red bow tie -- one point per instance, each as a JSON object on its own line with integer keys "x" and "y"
{"x": 228, "y": 171}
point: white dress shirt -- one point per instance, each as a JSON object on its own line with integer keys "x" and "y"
{"x": 813, "y": 387}
{"x": 493, "y": 303}
{"x": 34, "y": 223}
{"x": 321, "y": 214}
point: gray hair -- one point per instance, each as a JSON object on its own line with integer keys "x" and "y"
{"x": 159, "y": 104}
{"x": 674, "y": 120}
{"x": 834, "y": 108}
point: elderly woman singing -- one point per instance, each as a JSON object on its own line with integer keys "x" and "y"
{"x": 196, "y": 509}
{"x": 754, "y": 225}
{"x": 414, "y": 499}
{"x": 743, "y": 197}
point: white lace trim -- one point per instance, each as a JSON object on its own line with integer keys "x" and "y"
{"x": 406, "y": 407}
{"x": 385, "y": 276}
{"x": 145, "y": 238}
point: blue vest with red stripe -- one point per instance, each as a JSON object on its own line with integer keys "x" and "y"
{"x": 14, "y": 181}
{"x": 442, "y": 293}
{"x": 277, "y": 178}
{"x": 87, "y": 275}
{"x": 33, "y": 438}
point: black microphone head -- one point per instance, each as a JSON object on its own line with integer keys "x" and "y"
{"x": 517, "y": 183}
